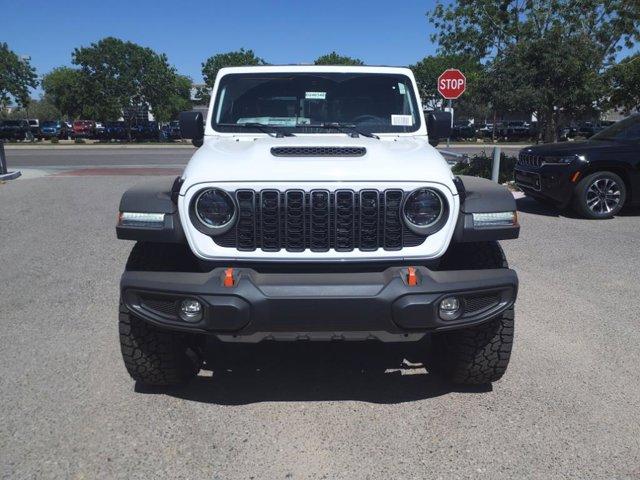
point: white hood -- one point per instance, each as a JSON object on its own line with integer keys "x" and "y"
{"x": 249, "y": 159}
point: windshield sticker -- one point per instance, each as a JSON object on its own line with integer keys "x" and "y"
{"x": 315, "y": 95}
{"x": 401, "y": 88}
{"x": 402, "y": 120}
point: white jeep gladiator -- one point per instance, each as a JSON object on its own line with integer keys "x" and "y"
{"x": 316, "y": 208}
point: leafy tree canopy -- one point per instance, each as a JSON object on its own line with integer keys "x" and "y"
{"x": 178, "y": 101}
{"x": 544, "y": 56}
{"x": 429, "y": 69}
{"x": 63, "y": 87}
{"x": 17, "y": 77}
{"x": 42, "y": 109}
{"x": 238, "y": 58}
{"x": 122, "y": 76}
{"x": 334, "y": 59}
{"x": 623, "y": 81}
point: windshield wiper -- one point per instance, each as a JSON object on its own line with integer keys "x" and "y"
{"x": 348, "y": 128}
{"x": 263, "y": 127}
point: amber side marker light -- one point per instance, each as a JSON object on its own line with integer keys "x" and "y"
{"x": 228, "y": 278}
{"x": 575, "y": 177}
{"x": 412, "y": 277}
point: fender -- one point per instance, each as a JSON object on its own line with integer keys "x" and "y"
{"x": 154, "y": 196}
{"x": 479, "y": 195}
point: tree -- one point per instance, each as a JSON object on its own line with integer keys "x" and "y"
{"x": 238, "y": 58}
{"x": 334, "y": 59}
{"x": 63, "y": 87}
{"x": 42, "y": 109}
{"x": 535, "y": 41}
{"x": 429, "y": 69}
{"x": 17, "y": 77}
{"x": 122, "y": 77}
{"x": 623, "y": 80}
{"x": 178, "y": 101}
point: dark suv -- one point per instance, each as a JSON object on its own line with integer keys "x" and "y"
{"x": 15, "y": 130}
{"x": 596, "y": 177}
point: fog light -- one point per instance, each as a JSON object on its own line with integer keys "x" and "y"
{"x": 450, "y": 308}
{"x": 190, "y": 310}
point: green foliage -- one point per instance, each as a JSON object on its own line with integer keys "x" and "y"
{"x": 481, "y": 166}
{"x": 80, "y": 141}
{"x": 238, "y": 58}
{"x": 429, "y": 69}
{"x": 178, "y": 101}
{"x": 55, "y": 140}
{"x": 122, "y": 76}
{"x": 334, "y": 59}
{"x": 63, "y": 86}
{"x": 545, "y": 56}
{"x": 17, "y": 76}
{"x": 623, "y": 81}
{"x": 42, "y": 109}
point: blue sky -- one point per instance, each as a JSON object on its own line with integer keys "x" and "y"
{"x": 189, "y": 31}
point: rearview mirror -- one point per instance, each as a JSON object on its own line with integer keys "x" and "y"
{"x": 438, "y": 126}
{"x": 192, "y": 126}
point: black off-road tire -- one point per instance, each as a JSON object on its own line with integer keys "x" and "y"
{"x": 154, "y": 356}
{"x": 580, "y": 196}
{"x": 476, "y": 355}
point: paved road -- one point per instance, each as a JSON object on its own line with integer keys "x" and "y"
{"x": 569, "y": 406}
{"x": 64, "y": 158}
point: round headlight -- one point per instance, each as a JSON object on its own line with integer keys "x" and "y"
{"x": 215, "y": 209}
{"x": 423, "y": 210}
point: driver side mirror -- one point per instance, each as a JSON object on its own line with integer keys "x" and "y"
{"x": 438, "y": 126}
{"x": 192, "y": 126}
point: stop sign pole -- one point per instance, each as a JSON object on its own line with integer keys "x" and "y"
{"x": 451, "y": 84}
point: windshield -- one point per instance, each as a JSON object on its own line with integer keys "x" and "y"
{"x": 627, "y": 129}
{"x": 299, "y": 101}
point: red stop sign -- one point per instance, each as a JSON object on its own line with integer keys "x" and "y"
{"x": 452, "y": 83}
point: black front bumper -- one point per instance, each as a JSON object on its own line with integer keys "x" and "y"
{"x": 260, "y": 303}
{"x": 552, "y": 182}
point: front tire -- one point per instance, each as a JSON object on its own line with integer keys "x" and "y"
{"x": 476, "y": 355}
{"x": 599, "y": 195}
{"x": 156, "y": 357}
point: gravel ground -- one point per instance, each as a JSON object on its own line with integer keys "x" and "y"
{"x": 569, "y": 406}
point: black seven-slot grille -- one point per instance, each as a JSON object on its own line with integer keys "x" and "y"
{"x": 294, "y": 220}
{"x": 318, "y": 151}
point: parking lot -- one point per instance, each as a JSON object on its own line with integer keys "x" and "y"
{"x": 568, "y": 407}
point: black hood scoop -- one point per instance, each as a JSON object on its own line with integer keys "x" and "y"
{"x": 318, "y": 151}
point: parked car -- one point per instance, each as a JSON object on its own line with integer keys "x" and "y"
{"x": 84, "y": 129}
{"x": 100, "y": 129}
{"x": 34, "y": 127}
{"x": 171, "y": 131}
{"x": 54, "y": 129}
{"x": 15, "y": 130}
{"x": 596, "y": 177}
{"x": 337, "y": 236}
{"x": 145, "y": 131}
{"x": 513, "y": 130}
{"x": 484, "y": 130}
{"x": 463, "y": 131}
{"x": 115, "y": 131}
